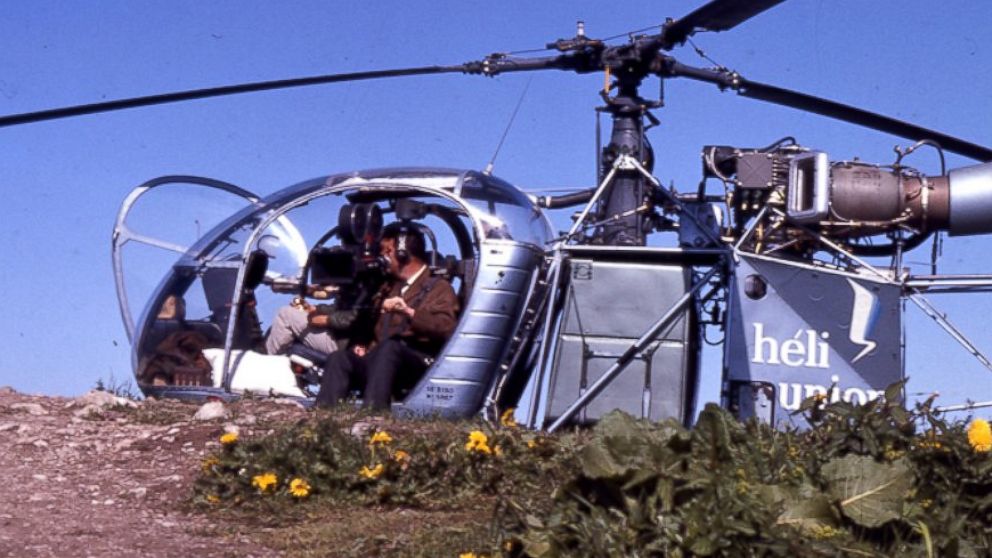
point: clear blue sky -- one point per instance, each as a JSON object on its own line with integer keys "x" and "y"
{"x": 63, "y": 181}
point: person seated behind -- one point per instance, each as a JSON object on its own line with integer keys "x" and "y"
{"x": 177, "y": 358}
{"x": 300, "y": 322}
{"x": 417, "y": 315}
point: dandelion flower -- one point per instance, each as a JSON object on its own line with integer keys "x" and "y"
{"x": 478, "y": 441}
{"x": 531, "y": 444}
{"x": 980, "y": 435}
{"x": 229, "y": 438}
{"x": 507, "y": 419}
{"x": 372, "y": 473}
{"x": 401, "y": 456}
{"x": 381, "y": 437}
{"x": 264, "y": 482}
{"x": 468, "y": 555}
{"x": 299, "y": 488}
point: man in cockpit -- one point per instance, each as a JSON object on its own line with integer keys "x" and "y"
{"x": 417, "y": 314}
{"x": 300, "y": 322}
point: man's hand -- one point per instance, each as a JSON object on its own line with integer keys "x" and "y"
{"x": 397, "y": 305}
{"x": 302, "y": 304}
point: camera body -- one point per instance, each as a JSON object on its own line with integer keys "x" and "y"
{"x": 357, "y": 271}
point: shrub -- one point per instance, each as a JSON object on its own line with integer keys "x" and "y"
{"x": 863, "y": 481}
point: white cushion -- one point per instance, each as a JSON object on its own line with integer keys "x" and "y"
{"x": 255, "y": 372}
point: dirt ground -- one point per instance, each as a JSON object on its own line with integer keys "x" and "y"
{"x": 92, "y": 476}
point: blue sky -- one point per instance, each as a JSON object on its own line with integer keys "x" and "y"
{"x": 63, "y": 181}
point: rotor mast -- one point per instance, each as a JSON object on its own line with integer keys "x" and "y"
{"x": 624, "y": 226}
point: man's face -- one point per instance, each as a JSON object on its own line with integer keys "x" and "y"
{"x": 387, "y": 247}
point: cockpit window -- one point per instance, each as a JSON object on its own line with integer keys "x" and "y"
{"x": 505, "y": 212}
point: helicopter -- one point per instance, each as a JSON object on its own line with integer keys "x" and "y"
{"x": 611, "y": 243}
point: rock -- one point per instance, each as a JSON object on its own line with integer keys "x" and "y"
{"x": 289, "y": 401}
{"x": 89, "y": 410}
{"x": 210, "y": 411}
{"x": 9, "y": 427}
{"x": 361, "y": 428}
{"x": 138, "y": 493}
{"x": 247, "y": 420}
{"x": 7, "y": 390}
{"x": 30, "y": 408}
{"x": 231, "y": 428}
{"x": 103, "y": 399}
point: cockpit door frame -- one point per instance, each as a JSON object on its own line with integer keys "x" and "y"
{"x": 123, "y": 234}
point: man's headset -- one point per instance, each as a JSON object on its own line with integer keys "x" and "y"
{"x": 409, "y": 241}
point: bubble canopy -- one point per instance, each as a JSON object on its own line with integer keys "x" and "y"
{"x": 468, "y": 210}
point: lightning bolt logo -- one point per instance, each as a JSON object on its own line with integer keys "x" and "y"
{"x": 863, "y": 317}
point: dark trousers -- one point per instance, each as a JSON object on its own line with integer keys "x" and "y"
{"x": 375, "y": 373}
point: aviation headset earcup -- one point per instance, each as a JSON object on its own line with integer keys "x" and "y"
{"x": 402, "y": 253}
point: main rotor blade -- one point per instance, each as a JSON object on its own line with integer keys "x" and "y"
{"x": 109, "y": 106}
{"x": 718, "y": 15}
{"x": 786, "y": 97}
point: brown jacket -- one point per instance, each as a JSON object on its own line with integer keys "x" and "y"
{"x": 435, "y": 314}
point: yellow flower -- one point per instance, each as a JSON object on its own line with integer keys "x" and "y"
{"x": 478, "y": 441}
{"x": 381, "y": 437}
{"x": 213, "y": 498}
{"x": 531, "y": 444}
{"x": 264, "y": 482}
{"x": 980, "y": 435}
{"x": 507, "y": 420}
{"x": 468, "y": 555}
{"x": 209, "y": 463}
{"x": 229, "y": 438}
{"x": 401, "y": 456}
{"x": 299, "y": 488}
{"x": 372, "y": 473}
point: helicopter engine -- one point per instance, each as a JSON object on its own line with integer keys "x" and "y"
{"x": 848, "y": 201}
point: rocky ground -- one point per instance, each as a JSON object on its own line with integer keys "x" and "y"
{"x": 104, "y": 476}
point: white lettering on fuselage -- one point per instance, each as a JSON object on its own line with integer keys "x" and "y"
{"x": 806, "y": 348}
{"x": 790, "y": 396}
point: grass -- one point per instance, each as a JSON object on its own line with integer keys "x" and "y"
{"x": 120, "y": 388}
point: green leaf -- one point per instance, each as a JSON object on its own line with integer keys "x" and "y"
{"x": 808, "y": 513}
{"x": 703, "y": 546}
{"x": 893, "y": 393}
{"x": 598, "y": 462}
{"x": 868, "y": 492}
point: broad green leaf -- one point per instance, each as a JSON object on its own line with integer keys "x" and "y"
{"x": 868, "y": 492}
{"x": 893, "y": 393}
{"x": 598, "y": 462}
{"x": 808, "y": 513}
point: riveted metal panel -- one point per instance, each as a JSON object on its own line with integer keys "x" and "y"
{"x": 609, "y": 304}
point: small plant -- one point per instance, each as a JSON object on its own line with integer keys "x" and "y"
{"x": 119, "y": 388}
